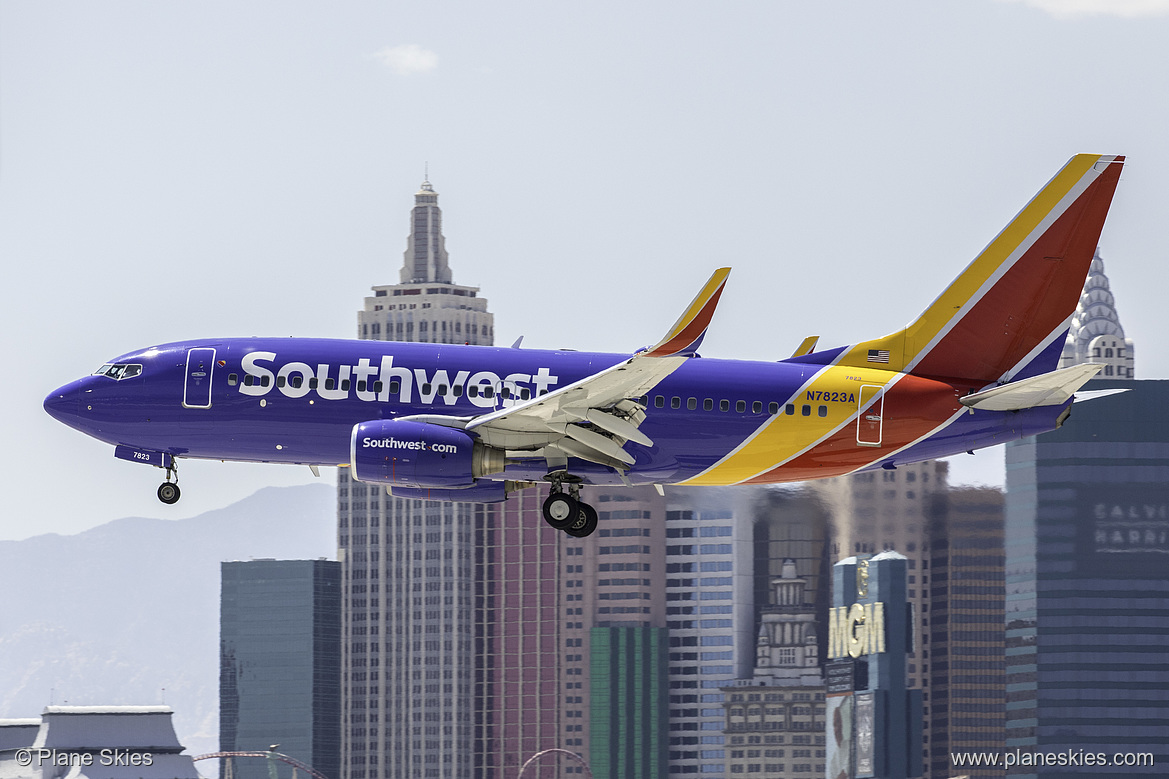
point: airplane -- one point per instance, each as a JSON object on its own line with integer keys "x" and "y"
{"x": 475, "y": 423}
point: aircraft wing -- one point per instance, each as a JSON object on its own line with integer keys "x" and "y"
{"x": 593, "y": 417}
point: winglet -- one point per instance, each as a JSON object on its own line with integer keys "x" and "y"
{"x": 807, "y": 346}
{"x": 687, "y": 333}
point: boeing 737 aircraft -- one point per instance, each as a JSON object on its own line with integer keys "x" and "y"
{"x": 473, "y": 423}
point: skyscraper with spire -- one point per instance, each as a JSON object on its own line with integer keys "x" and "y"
{"x": 409, "y": 568}
{"x": 427, "y": 305}
{"x": 452, "y": 621}
{"x": 1095, "y": 334}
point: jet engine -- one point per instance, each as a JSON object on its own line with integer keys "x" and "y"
{"x": 419, "y": 454}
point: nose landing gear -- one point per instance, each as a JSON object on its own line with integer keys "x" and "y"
{"x": 168, "y": 491}
{"x": 565, "y": 510}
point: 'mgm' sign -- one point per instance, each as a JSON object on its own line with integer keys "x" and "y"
{"x": 856, "y": 630}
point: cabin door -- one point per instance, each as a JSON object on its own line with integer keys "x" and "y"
{"x": 870, "y": 420}
{"x": 197, "y": 381}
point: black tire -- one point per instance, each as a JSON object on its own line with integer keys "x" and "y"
{"x": 561, "y": 510}
{"x": 586, "y": 522}
{"x": 169, "y": 493}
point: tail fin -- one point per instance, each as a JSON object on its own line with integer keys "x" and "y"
{"x": 1010, "y": 307}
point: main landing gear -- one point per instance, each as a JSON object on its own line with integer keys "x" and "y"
{"x": 168, "y": 491}
{"x": 565, "y": 510}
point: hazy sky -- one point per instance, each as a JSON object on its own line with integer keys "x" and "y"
{"x": 182, "y": 170}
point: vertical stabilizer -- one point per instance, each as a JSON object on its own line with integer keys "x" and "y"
{"x": 1010, "y": 308}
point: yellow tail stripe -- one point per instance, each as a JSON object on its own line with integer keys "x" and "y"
{"x": 906, "y": 346}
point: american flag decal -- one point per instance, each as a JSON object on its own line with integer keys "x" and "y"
{"x": 878, "y": 355}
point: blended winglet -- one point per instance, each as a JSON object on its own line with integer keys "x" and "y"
{"x": 807, "y": 346}
{"x": 686, "y": 335}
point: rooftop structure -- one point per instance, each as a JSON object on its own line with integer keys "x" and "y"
{"x": 94, "y": 742}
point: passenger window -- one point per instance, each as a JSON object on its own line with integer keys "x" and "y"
{"x": 740, "y": 406}
{"x": 773, "y": 408}
{"x": 265, "y": 381}
{"x": 425, "y": 388}
{"x": 296, "y": 381}
{"x": 313, "y": 382}
{"x": 724, "y": 405}
{"x": 659, "y": 401}
{"x": 377, "y": 386}
{"x": 643, "y": 401}
{"x": 458, "y": 390}
{"x": 249, "y": 380}
{"x": 345, "y": 384}
{"x": 361, "y": 385}
{"x": 232, "y": 379}
{"x": 281, "y": 381}
{"x": 473, "y": 391}
{"x": 675, "y": 402}
{"x": 692, "y": 403}
{"x": 330, "y": 383}
{"x": 489, "y": 392}
{"x": 806, "y": 410}
{"x": 823, "y": 411}
{"x": 525, "y": 393}
{"x": 757, "y": 407}
{"x": 442, "y": 389}
{"x": 505, "y": 392}
{"x": 708, "y": 405}
{"x": 790, "y": 409}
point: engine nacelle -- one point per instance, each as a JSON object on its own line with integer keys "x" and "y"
{"x": 419, "y": 454}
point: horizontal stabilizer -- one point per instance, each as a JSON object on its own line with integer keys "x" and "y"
{"x": 1048, "y": 389}
{"x": 1094, "y": 394}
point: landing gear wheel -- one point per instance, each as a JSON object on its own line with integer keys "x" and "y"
{"x": 168, "y": 492}
{"x": 561, "y": 510}
{"x": 585, "y": 524}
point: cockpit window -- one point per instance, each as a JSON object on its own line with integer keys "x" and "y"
{"x": 119, "y": 371}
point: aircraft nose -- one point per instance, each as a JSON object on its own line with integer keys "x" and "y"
{"x": 63, "y": 403}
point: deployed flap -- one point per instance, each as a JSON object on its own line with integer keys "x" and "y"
{"x": 553, "y": 419}
{"x": 1048, "y": 389}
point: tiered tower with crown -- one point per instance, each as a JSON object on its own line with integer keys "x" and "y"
{"x": 1096, "y": 335}
{"x": 427, "y": 305}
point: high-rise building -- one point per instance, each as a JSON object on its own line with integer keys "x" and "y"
{"x": 463, "y": 655}
{"x": 1087, "y": 539}
{"x": 793, "y": 525}
{"x": 410, "y": 566}
{"x": 775, "y": 719}
{"x": 280, "y": 662}
{"x": 1087, "y": 609}
{"x": 964, "y": 641}
{"x": 893, "y": 510}
{"x": 710, "y": 613}
{"x": 520, "y": 652}
{"x": 621, "y": 569}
